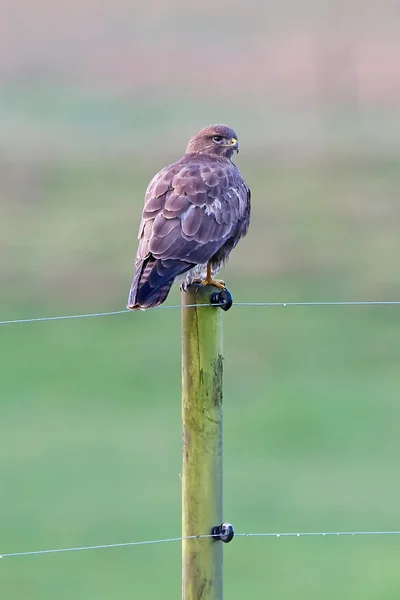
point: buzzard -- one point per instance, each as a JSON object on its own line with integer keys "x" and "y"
{"x": 195, "y": 212}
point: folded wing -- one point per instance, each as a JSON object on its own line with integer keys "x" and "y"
{"x": 192, "y": 209}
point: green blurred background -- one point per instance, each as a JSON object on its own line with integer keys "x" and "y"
{"x": 95, "y": 98}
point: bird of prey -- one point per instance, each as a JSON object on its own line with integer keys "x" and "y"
{"x": 195, "y": 212}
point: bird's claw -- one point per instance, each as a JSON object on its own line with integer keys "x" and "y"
{"x": 215, "y": 282}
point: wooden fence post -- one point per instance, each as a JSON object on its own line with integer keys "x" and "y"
{"x": 202, "y": 366}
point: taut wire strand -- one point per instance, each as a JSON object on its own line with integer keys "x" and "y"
{"x": 254, "y": 304}
{"x": 317, "y": 534}
{"x": 102, "y": 546}
{"x": 192, "y": 537}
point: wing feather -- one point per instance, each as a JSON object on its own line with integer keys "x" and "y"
{"x": 163, "y": 226}
{"x": 176, "y": 203}
{"x": 192, "y": 208}
{"x": 191, "y": 221}
{"x": 195, "y": 209}
{"x": 160, "y": 244}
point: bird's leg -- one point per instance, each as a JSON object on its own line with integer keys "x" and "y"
{"x": 210, "y": 281}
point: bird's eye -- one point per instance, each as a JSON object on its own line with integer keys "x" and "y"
{"x": 217, "y": 139}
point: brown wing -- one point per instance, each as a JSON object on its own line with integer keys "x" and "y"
{"x": 192, "y": 209}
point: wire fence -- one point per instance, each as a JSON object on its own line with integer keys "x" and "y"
{"x": 201, "y": 536}
{"x": 254, "y": 304}
{"x": 276, "y": 535}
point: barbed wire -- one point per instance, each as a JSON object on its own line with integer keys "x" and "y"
{"x": 254, "y": 304}
{"x": 201, "y": 536}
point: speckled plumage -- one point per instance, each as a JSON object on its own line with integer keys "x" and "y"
{"x": 195, "y": 212}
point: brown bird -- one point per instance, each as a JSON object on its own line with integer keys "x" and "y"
{"x": 195, "y": 212}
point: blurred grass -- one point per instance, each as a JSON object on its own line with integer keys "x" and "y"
{"x": 41, "y": 119}
{"x": 93, "y": 100}
{"x": 90, "y": 409}
{"x": 90, "y": 430}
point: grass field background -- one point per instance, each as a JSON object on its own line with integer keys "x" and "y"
{"x": 90, "y": 408}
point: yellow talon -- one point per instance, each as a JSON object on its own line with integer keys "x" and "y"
{"x": 216, "y": 282}
{"x": 210, "y": 281}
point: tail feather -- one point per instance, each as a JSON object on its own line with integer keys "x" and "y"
{"x": 153, "y": 281}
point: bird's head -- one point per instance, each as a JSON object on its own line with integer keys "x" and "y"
{"x": 218, "y": 140}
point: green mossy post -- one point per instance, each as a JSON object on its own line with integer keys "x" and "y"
{"x": 202, "y": 444}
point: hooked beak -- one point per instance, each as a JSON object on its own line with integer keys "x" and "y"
{"x": 233, "y": 143}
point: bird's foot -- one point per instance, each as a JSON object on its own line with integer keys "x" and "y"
{"x": 210, "y": 281}
{"x": 223, "y": 298}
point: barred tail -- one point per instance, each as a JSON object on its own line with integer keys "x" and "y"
{"x": 153, "y": 281}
